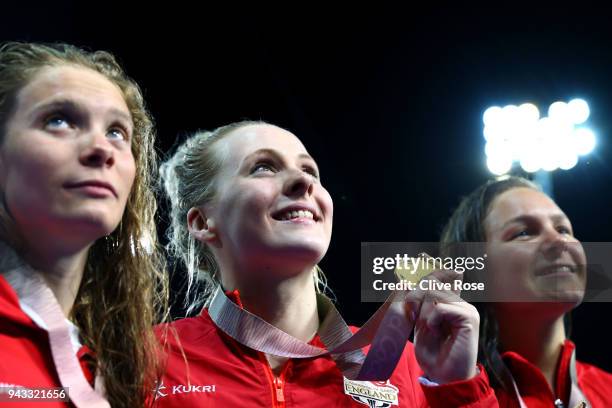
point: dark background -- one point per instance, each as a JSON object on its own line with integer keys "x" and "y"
{"x": 389, "y": 101}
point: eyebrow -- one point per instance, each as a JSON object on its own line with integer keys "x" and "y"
{"x": 528, "y": 218}
{"x": 275, "y": 154}
{"x": 74, "y": 106}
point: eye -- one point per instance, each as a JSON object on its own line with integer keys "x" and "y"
{"x": 118, "y": 133}
{"x": 523, "y": 233}
{"x": 312, "y": 171}
{"x": 263, "y": 167}
{"x": 58, "y": 121}
{"x": 562, "y": 229}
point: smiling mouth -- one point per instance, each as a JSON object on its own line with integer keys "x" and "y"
{"x": 557, "y": 269}
{"x": 295, "y": 215}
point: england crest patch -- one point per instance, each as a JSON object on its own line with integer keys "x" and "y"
{"x": 374, "y": 394}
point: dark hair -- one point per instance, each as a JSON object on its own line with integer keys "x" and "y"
{"x": 466, "y": 224}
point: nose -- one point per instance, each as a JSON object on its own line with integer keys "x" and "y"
{"x": 97, "y": 151}
{"x": 554, "y": 243}
{"x": 298, "y": 184}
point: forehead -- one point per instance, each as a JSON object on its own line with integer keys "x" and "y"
{"x": 79, "y": 84}
{"x": 518, "y": 202}
{"x": 240, "y": 143}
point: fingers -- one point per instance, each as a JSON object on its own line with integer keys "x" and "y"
{"x": 444, "y": 313}
{"x": 440, "y": 311}
{"x": 446, "y": 327}
{"x": 447, "y": 276}
{"x": 441, "y": 289}
{"x": 413, "y": 300}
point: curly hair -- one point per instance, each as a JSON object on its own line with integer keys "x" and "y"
{"x": 124, "y": 290}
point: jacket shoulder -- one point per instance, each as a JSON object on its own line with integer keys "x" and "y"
{"x": 595, "y": 383}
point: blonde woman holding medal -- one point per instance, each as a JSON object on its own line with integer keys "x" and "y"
{"x": 250, "y": 218}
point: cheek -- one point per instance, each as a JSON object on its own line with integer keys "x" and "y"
{"x": 29, "y": 174}
{"x": 326, "y": 203}
{"x": 507, "y": 267}
{"x": 35, "y": 159}
{"x": 577, "y": 253}
{"x": 256, "y": 200}
{"x": 127, "y": 170}
{"x": 245, "y": 207}
{"x": 29, "y": 188}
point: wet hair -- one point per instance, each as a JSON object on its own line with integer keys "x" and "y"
{"x": 466, "y": 224}
{"x": 124, "y": 289}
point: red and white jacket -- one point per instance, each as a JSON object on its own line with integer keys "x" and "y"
{"x": 25, "y": 354}
{"x": 595, "y": 384}
{"x": 207, "y": 368}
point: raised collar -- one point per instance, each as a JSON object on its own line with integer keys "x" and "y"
{"x": 530, "y": 380}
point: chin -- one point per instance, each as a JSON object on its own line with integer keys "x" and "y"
{"x": 569, "y": 297}
{"x": 307, "y": 253}
{"x": 562, "y": 302}
{"x": 293, "y": 256}
{"x": 548, "y": 307}
{"x": 564, "y": 291}
{"x": 93, "y": 224}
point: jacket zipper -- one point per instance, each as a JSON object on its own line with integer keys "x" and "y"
{"x": 277, "y": 383}
{"x": 278, "y": 387}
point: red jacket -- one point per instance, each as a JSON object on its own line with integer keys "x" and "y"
{"x": 595, "y": 384}
{"x": 223, "y": 373}
{"x": 25, "y": 354}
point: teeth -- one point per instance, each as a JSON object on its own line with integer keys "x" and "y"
{"x": 289, "y": 215}
{"x": 562, "y": 268}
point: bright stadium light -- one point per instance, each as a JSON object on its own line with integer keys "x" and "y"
{"x": 558, "y": 110}
{"x": 491, "y": 115}
{"x": 568, "y": 161}
{"x": 519, "y": 134}
{"x": 584, "y": 141}
{"x": 499, "y": 165}
{"x": 578, "y": 111}
{"x": 530, "y": 163}
{"x": 529, "y": 113}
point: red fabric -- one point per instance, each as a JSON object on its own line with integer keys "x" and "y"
{"x": 223, "y": 373}
{"x": 87, "y": 359}
{"x": 470, "y": 393}
{"x": 25, "y": 354}
{"x": 596, "y": 384}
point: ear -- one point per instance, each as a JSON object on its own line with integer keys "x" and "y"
{"x": 202, "y": 228}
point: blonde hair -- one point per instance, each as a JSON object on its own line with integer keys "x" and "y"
{"x": 124, "y": 290}
{"x": 188, "y": 178}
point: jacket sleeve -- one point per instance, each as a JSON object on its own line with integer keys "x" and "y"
{"x": 473, "y": 393}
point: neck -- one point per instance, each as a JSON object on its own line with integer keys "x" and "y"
{"x": 538, "y": 339}
{"x": 62, "y": 271}
{"x": 289, "y": 303}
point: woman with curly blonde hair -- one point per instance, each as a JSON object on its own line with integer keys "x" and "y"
{"x": 77, "y": 231}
